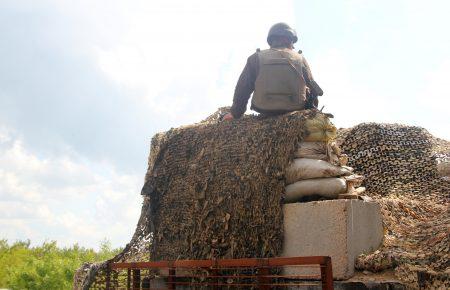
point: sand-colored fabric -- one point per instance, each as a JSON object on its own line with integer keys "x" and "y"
{"x": 327, "y": 151}
{"x": 304, "y": 168}
{"x": 328, "y": 188}
{"x": 213, "y": 181}
{"x": 312, "y": 150}
{"x": 210, "y": 182}
{"x": 320, "y": 129}
{"x": 399, "y": 163}
{"x": 399, "y": 166}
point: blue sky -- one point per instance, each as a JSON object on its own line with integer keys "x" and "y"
{"x": 84, "y": 85}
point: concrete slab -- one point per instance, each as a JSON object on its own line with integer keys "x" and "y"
{"x": 342, "y": 229}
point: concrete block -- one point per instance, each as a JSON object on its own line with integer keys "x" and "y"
{"x": 342, "y": 229}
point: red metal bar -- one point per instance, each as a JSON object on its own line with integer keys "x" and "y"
{"x": 326, "y": 274}
{"x": 128, "y": 279}
{"x": 262, "y": 276}
{"x": 263, "y": 272}
{"x": 140, "y": 265}
{"x": 249, "y": 262}
{"x": 171, "y": 279}
{"x": 136, "y": 279}
{"x": 244, "y": 284}
{"x": 215, "y": 275}
{"x": 291, "y": 261}
{"x": 249, "y": 276}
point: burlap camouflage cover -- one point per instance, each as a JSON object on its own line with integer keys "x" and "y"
{"x": 399, "y": 164}
{"x": 214, "y": 189}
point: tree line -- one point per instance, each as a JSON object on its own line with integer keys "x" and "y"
{"x": 45, "y": 266}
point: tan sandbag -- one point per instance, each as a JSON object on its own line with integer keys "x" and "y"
{"x": 443, "y": 166}
{"x": 359, "y": 190}
{"x": 325, "y": 187}
{"x": 353, "y": 181}
{"x": 328, "y": 151}
{"x": 320, "y": 128}
{"x": 304, "y": 168}
{"x": 335, "y": 154}
{"x": 308, "y": 149}
{"x": 343, "y": 160}
{"x": 323, "y": 157}
{"x": 333, "y": 147}
{"x": 352, "y": 193}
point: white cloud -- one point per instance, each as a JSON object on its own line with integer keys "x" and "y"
{"x": 194, "y": 77}
{"x": 372, "y": 100}
{"x": 174, "y": 62}
{"x": 434, "y": 101}
{"x": 350, "y": 102}
{"x": 436, "y": 88}
{"x": 64, "y": 198}
{"x": 177, "y": 61}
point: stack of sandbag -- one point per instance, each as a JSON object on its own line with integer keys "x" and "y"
{"x": 319, "y": 169}
{"x": 443, "y": 166}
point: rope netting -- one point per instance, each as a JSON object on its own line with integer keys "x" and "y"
{"x": 215, "y": 189}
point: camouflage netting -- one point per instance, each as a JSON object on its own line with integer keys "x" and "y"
{"x": 213, "y": 182}
{"x": 399, "y": 163}
{"x": 214, "y": 190}
{"x": 90, "y": 276}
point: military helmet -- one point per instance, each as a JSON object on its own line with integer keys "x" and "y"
{"x": 282, "y": 29}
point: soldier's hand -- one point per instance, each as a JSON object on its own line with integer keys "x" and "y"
{"x": 227, "y": 117}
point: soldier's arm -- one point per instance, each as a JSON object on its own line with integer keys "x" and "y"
{"x": 307, "y": 70}
{"x": 244, "y": 87}
{"x": 311, "y": 83}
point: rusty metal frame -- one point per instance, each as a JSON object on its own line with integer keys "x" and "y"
{"x": 262, "y": 265}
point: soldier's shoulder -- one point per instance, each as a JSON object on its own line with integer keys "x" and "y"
{"x": 259, "y": 50}
{"x": 254, "y": 56}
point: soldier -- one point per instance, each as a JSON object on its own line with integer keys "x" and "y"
{"x": 279, "y": 78}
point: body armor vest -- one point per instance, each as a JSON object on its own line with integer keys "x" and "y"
{"x": 280, "y": 85}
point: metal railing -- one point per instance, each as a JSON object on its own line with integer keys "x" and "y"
{"x": 268, "y": 273}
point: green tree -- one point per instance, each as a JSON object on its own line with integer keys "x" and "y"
{"x": 47, "y": 266}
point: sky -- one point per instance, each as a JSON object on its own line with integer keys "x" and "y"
{"x": 84, "y": 85}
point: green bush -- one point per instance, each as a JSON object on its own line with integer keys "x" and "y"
{"x": 47, "y": 266}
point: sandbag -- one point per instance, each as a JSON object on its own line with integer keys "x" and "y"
{"x": 342, "y": 160}
{"x": 443, "y": 166}
{"x": 304, "y": 168}
{"x": 320, "y": 129}
{"x": 325, "y": 187}
{"x": 353, "y": 180}
{"x": 323, "y": 157}
{"x": 327, "y": 151}
{"x": 335, "y": 154}
{"x": 312, "y": 150}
